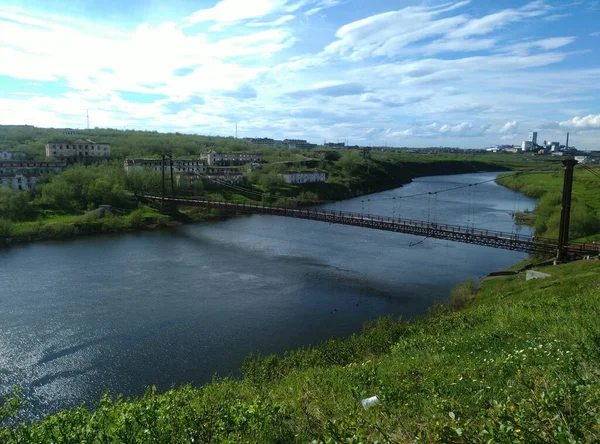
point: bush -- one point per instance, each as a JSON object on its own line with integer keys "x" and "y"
{"x": 6, "y": 228}
{"x": 136, "y": 219}
{"x": 463, "y": 294}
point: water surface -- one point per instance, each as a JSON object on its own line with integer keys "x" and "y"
{"x": 169, "y": 307}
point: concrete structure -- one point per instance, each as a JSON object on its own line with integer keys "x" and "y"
{"x": 526, "y": 146}
{"x": 264, "y": 141}
{"x": 298, "y": 143}
{"x": 530, "y": 274}
{"x": 212, "y": 158}
{"x": 23, "y": 174}
{"x": 79, "y": 149}
{"x": 582, "y": 159}
{"x": 12, "y": 155}
{"x": 179, "y": 165}
{"x": 533, "y": 138}
{"x": 306, "y": 176}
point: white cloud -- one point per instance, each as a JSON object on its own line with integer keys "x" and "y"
{"x": 229, "y": 11}
{"x": 277, "y": 22}
{"x": 543, "y": 44}
{"x": 590, "y": 122}
{"x": 492, "y": 22}
{"x": 389, "y": 34}
{"x": 595, "y": 34}
{"x": 509, "y": 127}
{"x": 323, "y": 4}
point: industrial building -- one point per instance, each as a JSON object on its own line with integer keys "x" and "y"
{"x": 212, "y": 158}
{"x": 79, "y": 150}
{"x": 23, "y": 174}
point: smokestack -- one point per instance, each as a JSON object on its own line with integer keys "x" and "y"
{"x": 567, "y": 145}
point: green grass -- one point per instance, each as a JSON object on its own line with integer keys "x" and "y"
{"x": 55, "y": 225}
{"x": 585, "y": 212}
{"x": 518, "y": 363}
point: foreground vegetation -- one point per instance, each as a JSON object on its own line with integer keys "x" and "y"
{"x": 585, "y": 209}
{"x": 518, "y": 362}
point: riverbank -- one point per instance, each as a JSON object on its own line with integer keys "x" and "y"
{"x": 513, "y": 360}
{"x": 390, "y": 175}
{"x": 547, "y": 188}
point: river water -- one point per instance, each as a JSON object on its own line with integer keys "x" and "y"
{"x": 170, "y": 307}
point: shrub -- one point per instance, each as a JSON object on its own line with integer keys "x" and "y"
{"x": 6, "y": 228}
{"x": 463, "y": 294}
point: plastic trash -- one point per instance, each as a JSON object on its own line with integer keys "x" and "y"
{"x": 370, "y": 402}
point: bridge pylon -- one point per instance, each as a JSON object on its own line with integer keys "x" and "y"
{"x": 565, "y": 211}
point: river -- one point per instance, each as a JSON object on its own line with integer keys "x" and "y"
{"x": 170, "y": 307}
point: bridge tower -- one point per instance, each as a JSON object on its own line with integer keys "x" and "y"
{"x": 167, "y": 207}
{"x": 565, "y": 211}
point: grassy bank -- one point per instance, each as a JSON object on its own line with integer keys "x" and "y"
{"x": 585, "y": 211}
{"x": 518, "y": 362}
{"x": 67, "y": 226}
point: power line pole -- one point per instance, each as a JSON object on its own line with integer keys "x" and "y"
{"x": 565, "y": 211}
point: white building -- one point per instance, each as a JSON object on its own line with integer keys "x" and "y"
{"x": 307, "y": 176}
{"x": 78, "y": 149}
{"x": 212, "y": 158}
{"x": 23, "y": 174}
{"x": 582, "y": 159}
{"x": 179, "y": 165}
{"x": 526, "y": 146}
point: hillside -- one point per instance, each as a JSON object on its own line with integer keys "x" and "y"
{"x": 585, "y": 210}
{"x": 518, "y": 363}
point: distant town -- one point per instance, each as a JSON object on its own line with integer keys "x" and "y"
{"x": 221, "y": 168}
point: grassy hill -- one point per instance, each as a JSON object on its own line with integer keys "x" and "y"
{"x": 517, "y": 361}
{"x": 585, "y": 210}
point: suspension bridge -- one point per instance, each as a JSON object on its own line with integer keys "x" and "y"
{"x": 427, "y": 229}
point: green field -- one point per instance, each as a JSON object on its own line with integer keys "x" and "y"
{"x": 585, "y": 212}
{"x": 519, "y": 363}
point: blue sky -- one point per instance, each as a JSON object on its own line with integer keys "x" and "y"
{"x": 406, "y": 73}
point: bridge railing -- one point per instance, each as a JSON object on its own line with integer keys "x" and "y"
{"x": 308, "y": 211}
{"x": 332, "y": 215}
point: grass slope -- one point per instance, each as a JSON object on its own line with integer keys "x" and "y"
{"x": 585, "y": 211}
{"x": 519, "y": 363}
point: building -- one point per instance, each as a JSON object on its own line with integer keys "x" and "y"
{"x": 23, "y": 174}
{"x": 264, "y": 141}
{"x": 298, "y": 143}
{"x": 533, "y": 138}
{"x": 335, "y": 145}
{"x": 526, "y": 146}
{"x": 12, "y": 155}
{"x": 212, "y": 158}
{"x": 78, "y": 149}
{"x": 306, "y": 176}
{"x": 582, "y": 159}
{"x": 179, "y": 165}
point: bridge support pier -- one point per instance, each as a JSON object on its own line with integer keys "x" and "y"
{"x": 565, "y": 212}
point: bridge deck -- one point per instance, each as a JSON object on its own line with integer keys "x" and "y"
{"x": 456, "y": 233}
